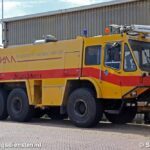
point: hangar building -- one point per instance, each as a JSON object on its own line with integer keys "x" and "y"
{"x": 68, "y": 23}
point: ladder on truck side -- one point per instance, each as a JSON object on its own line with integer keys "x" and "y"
{"x": 145, "y": 29}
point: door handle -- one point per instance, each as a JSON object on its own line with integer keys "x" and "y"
{"x": 119, "y": 72}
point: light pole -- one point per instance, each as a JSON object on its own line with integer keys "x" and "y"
{"x": 2, "y": 10}
{"x": 2, "y": 24}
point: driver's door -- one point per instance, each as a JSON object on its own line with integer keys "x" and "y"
{"x": 112, "y": 70}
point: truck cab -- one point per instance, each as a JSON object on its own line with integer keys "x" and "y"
{"x": 120, "y": 65}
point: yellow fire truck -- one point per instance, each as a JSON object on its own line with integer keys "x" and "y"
{"x": 82, "y": 78}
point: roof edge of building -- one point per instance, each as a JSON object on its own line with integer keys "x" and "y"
{"x": 69, "y": 10}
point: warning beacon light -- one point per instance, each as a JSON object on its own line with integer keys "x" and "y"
{"x": 107, "y": 30}
{"x": 85, "y": 32}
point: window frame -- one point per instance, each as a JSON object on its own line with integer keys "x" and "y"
{"x": 100, "y": 55}
{"x": 138, "y": 64}
{"x": 132, "y": 57}
{"x": 121, "y": 43}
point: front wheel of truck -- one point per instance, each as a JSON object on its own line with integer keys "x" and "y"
{"x": 84, "y": 110}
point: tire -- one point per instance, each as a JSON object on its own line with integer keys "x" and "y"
{"x": 38, "y": 113}
{"x": 126, "y": 116}
{"x": 83, "y": 109}
{"x": 18, "y": 106}
{"x": 54, "y": 114}
{"x": 3, "y": 105}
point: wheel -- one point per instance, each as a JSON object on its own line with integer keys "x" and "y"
{"x": 38, "y": 113}
{"x": 54, "y": 114}
{"x": 83, "y": 109}
{"x": 3, "y": 105}
{"x": 126, "y": 115}
{"x": 18, "y": 106}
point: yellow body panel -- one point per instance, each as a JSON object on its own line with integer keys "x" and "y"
{"x": 111, "y": 91}
{"x": 31, "y": 65}
{"x": 53, "y": 91}
{"x": 39, "y": 57}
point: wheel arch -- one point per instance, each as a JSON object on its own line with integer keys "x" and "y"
{"x": 8, "y": 86}
{"x": 72, "y": 85}
{"x": 95, "y": 84}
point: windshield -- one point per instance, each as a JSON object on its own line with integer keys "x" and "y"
{"x": 142, "y": 53}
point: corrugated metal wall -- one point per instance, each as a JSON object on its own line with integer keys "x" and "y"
{"x": 69, "y": 25}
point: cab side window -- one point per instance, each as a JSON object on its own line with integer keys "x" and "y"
{"x": 113, "y": 55}
{"x": 93, "y": 55}
{"x": 129, "y": 63}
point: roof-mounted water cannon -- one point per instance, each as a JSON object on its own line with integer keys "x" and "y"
{"x": 119, "y": 29}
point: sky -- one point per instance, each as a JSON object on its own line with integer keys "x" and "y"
{"x": 13, "y": 8}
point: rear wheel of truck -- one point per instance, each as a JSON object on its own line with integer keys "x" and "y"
{"x": 3, "y": 105}
{"x": 54, "y": 114}
{"x": 83, "y": 108}
{"x": 18, "y": 106}
{"x": 125, "y": 116}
